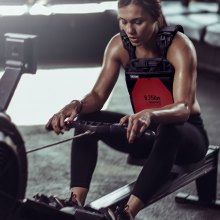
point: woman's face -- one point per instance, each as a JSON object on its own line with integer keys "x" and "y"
{"x": 137, "y": 24}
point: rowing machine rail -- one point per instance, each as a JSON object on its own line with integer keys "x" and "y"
{"x": 203, "y": 172}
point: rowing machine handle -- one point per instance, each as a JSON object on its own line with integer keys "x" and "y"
{"x": 102, "y": 127}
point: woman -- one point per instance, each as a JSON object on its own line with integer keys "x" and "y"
{"x": 181, "y": 137}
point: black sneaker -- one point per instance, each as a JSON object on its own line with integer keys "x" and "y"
{"x": 72, "y": 201}
{"x": 51, "y": 201}
{"x": 119, "y": 214}
{"x": 71, "y": 205}
{"x": 57, "y": 203}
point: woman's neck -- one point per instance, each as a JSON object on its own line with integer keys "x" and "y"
{"x": 149, "y": 49}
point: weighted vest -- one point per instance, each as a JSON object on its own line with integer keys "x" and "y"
{"x": 150, "y": 81}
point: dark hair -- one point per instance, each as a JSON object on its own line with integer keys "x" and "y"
{"x": 152, "y": 7}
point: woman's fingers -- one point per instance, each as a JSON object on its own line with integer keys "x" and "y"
{"x": 142, "y": 129}
{"x": 136, "y": 127}
{"x": 129, "y": 128}
{"x": 134, "y": 131}
{"x": 124, "y": 120}
{"x": 69, "y": 119}
{"x": 56, "y": 123}
{"x": 62, "y": 118}
{"x": 72, "y": 116}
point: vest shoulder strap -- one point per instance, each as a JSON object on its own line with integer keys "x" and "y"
{"x": 127, "y": 45}
{"x": 165, "y": 36}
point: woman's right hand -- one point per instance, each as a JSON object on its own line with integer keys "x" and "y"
{"x": 68, "y": 113}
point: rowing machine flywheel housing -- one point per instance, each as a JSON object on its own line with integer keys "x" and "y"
{"x": 13, "y": 160}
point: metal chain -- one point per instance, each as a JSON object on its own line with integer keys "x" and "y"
{"x": 88, "y": 132}
{"x": 91, "y": 128}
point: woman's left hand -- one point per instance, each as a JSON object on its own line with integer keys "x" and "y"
{"x": 137, "y": 124}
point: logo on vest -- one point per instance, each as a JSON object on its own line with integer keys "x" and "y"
{"x": 152, "y": 100}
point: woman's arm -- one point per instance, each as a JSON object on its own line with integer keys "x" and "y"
{"x": 94, "y": 100}
{"x": 182, "y": 56}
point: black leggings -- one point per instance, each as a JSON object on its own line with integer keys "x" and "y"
{"x": 175, "y": 143}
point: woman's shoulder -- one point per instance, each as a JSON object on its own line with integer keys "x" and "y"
{"x": 115, "y": 42}
{"x": 181, "y": 46}
{"x": 115, "y": 47}
{"x": 181, "y": 41}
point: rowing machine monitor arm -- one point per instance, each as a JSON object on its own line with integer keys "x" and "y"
{"x": 20, "y": 57}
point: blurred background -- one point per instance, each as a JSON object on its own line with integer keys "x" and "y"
{"x": 72, "y": 36}
{"x": 77, "y": 31}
